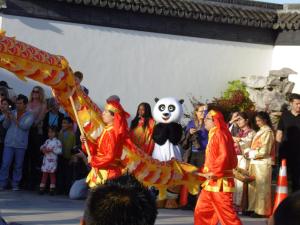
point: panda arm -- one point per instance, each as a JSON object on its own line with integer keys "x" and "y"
{"x": 160, "y": 134}
{"x": 175, "y": 133}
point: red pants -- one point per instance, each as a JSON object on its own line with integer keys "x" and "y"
{"x": 45, "y": 177}
{"x": 213, "y": 207}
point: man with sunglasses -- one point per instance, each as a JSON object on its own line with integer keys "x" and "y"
{"x": 215, "y": 201}
{"x": 17, "y": 123}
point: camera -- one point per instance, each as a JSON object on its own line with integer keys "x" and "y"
{"x": 75, "y": 150}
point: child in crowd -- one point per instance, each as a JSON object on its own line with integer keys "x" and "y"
{"x": 67, "y": 138}
{"x": 51, "y": 148}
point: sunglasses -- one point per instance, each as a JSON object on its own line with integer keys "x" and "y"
{"x": 35, "y": 91}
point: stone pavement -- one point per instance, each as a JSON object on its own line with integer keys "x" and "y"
{"x": 29, "y": 208}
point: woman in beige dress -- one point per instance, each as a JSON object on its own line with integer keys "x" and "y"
{"x": 261, "y": 159}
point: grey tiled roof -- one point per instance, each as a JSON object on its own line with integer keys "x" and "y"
{"x": 218, "y": 11}
{"x": 288, "y": 21}
{"x": 238, "y": 12}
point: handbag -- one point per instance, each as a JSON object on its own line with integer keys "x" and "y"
{"x": 243, "y": 175}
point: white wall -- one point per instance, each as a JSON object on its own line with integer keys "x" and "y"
{"x": 288, "y": 56}
{"x": 139, "y": 66}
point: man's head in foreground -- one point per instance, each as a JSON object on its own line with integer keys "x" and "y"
{"x": 121, "y": 201}
{"x": 288, "y": 211}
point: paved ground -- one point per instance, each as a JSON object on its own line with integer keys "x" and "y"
{"x": 29, "y": 208}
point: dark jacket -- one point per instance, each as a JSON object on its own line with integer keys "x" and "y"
{"x": 46, "y": 124}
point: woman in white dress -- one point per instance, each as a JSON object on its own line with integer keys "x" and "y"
{"x": 242, "y": 142}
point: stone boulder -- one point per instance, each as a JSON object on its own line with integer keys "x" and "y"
{"x": 269, "y": 93}
{"x": 255, "y": 81}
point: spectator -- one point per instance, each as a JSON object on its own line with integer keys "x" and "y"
{"x": 120, "y": 201}
{"x": 196, "y": 137}
{"x": 51, "y": 148}
{"x": 141, "y": 128}
{"x": 260, "y": 153}
{"x": 288, "y": 136}
{"x": 10, "y": 93}
{"x": 194, "y": 145}
{"x": 288, "y": 212}
{"x": 232, "y": 124}
{"x": 33, "y": 158}
{"x": 78, "y": 79}
{"x": 67, "y": 138}
{"x": 242, "y": 142}
{"x": 53, "y": 117}
{"x": 80, "y": 168}
{"x": 5, "y": 107}
{"x": 4, "y": 84}
{"x": 18, "y": 123}
{"x": 3, "y": 93}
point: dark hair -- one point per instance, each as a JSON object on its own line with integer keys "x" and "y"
{"x": 120, "y": 201}
{"x": 79, "y": 75}
{"x": 288, "y": 212}
{"x": 247, "y": 117}
{"x": 293, "y": 96}
{"x": 231, "y": 115}
{"x": 265, "y": 117}
{"x": 147, "y": 116}
{"x": 54, "y": 129}
{"x": 68, "y": 119}
{"x": 4, "y": 91}
{"x": 23, "y": 98}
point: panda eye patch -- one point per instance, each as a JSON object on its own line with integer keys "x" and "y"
{"x": 171, "y": 108}
{"x": 161, "y": 107}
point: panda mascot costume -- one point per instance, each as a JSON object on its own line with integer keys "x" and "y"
{"x": 167, "y": 133}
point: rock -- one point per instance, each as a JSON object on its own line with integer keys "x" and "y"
{"x": 269, "y": 93}
{"x": 284, "y": 72}
{"x": 288, "y": 88}
{"x": 255, "y": 81}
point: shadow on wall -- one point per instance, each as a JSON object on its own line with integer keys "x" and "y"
{"x": 46, "y": 25}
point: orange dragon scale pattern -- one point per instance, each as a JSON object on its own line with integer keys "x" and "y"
{"x": 26, "y": 61}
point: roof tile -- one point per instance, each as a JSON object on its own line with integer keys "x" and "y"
{"x": 225, "y": 11}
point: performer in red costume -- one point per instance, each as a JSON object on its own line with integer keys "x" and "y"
{"x": 106, "y": 152}
{"x": 215, "y": 201}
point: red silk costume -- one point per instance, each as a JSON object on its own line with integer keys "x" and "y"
{"x": 106, "y": 152}
{"x": 215, "y": 202}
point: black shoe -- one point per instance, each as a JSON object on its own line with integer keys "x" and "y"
{"x": 187, "y": 207}
{"x": 42, "y": 191}
{"x": 254, "y": 215}
{"x": 247, "y": 213}
{"x": 52, "y": 191}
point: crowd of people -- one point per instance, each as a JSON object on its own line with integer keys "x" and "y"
{"x": 42, "y": 142}
{"x": 38, "y": 141}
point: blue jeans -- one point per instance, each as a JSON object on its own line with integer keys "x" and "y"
{"x": 79, "y": 190}
{"x": 9, "y": 153}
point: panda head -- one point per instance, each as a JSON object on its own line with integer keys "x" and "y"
{"x": 167, "y": 110}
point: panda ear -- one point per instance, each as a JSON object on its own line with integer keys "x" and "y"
{"x": 156, "y": 99}
{"x": 181, "y": 101}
